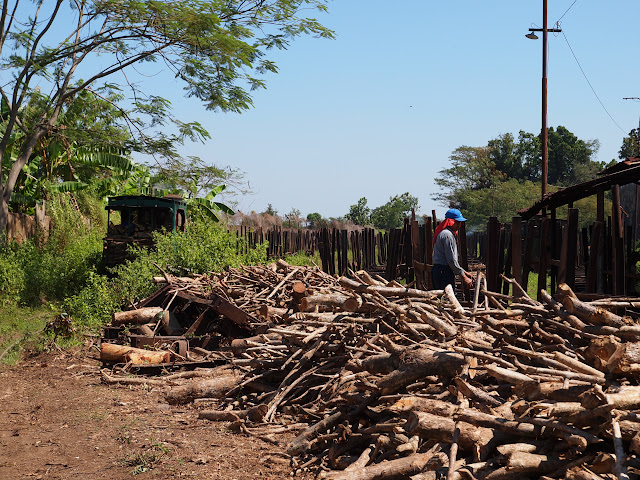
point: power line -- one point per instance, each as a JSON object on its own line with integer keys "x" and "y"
{"x": 574, "y": 2}
{"x": 591, "y": 86}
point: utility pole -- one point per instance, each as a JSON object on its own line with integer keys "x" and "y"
{"x": 545, "y": 148}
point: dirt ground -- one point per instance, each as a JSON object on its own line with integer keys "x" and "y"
{"x": 58, "y": 421}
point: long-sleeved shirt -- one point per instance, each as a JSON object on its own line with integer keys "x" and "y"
{"x": 445, "y": 251}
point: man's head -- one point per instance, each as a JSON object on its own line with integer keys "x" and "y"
{"x": 456, "y": 215}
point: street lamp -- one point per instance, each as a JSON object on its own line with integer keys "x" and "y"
{"x": 533, "y": 36}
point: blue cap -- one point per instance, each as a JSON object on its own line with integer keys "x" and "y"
{"x": 455, "y": 214}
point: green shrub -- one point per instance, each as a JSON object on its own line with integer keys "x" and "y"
{"x": 205, "y": 247}
{"x": 11, "y": 272}
{"x": 94, "y": 304}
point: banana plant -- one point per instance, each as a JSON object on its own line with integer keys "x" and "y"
{"x": 208, "y": 206}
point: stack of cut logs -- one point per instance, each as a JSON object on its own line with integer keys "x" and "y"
{"x": 382, "y": 381}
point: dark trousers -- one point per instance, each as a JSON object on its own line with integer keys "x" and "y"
{"x": 441, "y": 276}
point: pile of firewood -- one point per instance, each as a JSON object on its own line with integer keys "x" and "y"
{"x": 383, "y": 381}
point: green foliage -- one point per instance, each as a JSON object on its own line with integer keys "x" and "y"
{"x": 471, "y": 169}
{"x": 359, "y": 213}
{"x": 93, "y": 305}
{"x": 271, "y": 211}
{"x": 503, "y": 177}
{"x": 208, "y": 206}
{"x": 41, "y": 271}
{"x": 503, "y": 200}
{"x": 217, "y": 49}
{"x": 315, "y": 220}
{"x": 302, "y": 259}
{"x": 206, "y": 246}
{"x": 392, "y": 214}
{"x": 292, "y": 219}
{"x": 20, "y": 329}
{"x": 570, "y": 158}
{"x": 12, "y": 281}
{"x": 630, "y": 145}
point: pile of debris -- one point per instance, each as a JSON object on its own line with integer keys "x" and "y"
{"x": 382, "y": 381}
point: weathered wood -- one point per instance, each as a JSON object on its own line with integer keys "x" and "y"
{"x": 419, "y": 363}
{"x": 441, "y": 429}
{"x": 392, "y": 469}
{"x": 139, "y": 316}
{"x": 388, "y": 291}
{"x": 592, "y": 314}
{"x": 110, "y": 352}
{"x": 217, "y": 387}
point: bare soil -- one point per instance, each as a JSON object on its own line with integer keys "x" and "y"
{"x": 58, "y": 421}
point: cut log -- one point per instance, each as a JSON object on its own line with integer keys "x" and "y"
{"x": 323, "y": 301}
{"x": 420, "y": 404}
{"x": 419, "y": 363}
{"x": 110, "y": 352}
{"x": 592, "y": 314}
{"x": 532, "y": 463}
{"x": 255, "y": 414}
{"x": 210, "y": 388}
{"x": 268, "y": 312}
{"x": 302, "y": 442}
{"x": 400, "y": 468}
{"x": 441, "y": 429}
{"x": 139, "y": 316}
{"x": 388, "y": 291}
{"x": 239, "y": 345}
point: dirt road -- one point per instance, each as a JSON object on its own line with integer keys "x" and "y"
{"x": 58, "y": 421}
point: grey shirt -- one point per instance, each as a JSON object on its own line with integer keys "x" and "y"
{"x": 445, "y": 251}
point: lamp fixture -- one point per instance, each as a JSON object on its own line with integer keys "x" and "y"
{"x": 532, "y": 36}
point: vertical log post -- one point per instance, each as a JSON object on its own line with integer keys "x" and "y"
{"x": 464, "y": 256}
{"x": 516, "y": 248}
{"x": 508, "y": 262}
{"x": 572, "y": 252}
{"x": 428, "y": 249}
{"x": 617, "y": 242}
{"x": 492, "y": 253}
{"x": 543, "y": 256}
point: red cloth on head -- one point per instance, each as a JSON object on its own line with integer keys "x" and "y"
{"x": 447, "y": 222}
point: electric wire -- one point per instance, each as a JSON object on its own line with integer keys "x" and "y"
{"x": 591, "y": 86}
{"x": 574, "y": 2}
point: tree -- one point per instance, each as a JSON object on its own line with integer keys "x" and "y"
{"x": 270, "y": 211}
{"x": 292, "y": 219}
{"x": 359, "y": 213}
{"x": 392, "y": 214}
{"x": 630, "y": 145}
{"x": 314, "y": 220}
{"x": 471, "y": 169}
{"x": 569, "y": 159}
{"x": 216, "y": 48}
{"x": 503, "y": 152}
{"x": 501, "y": 178}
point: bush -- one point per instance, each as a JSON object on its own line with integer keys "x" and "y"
{"x": 11, "y": 272}
{"x": 205, "y": 247}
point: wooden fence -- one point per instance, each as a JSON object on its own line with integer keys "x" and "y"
{"x": 600, "y": 258}
{"x": 543, "y": 251}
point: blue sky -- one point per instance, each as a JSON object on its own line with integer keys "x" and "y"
{"x": 377, "y": 111}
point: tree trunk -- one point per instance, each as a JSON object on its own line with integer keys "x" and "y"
{"x": 139, "y": 316}
{"x": 440, "y": 429}
{"x": 110, "y": 352}
{"x": 210, "y": 388}
{"x": 420, "y": 363}
{"x": 400, "y": 468}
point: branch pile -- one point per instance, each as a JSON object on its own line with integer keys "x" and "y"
{"x": 381, "y": 381}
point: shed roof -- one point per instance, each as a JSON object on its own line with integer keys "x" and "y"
{"x": 622, "y": 173}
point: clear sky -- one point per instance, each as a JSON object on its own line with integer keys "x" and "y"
{"x": 377, "y": 111}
